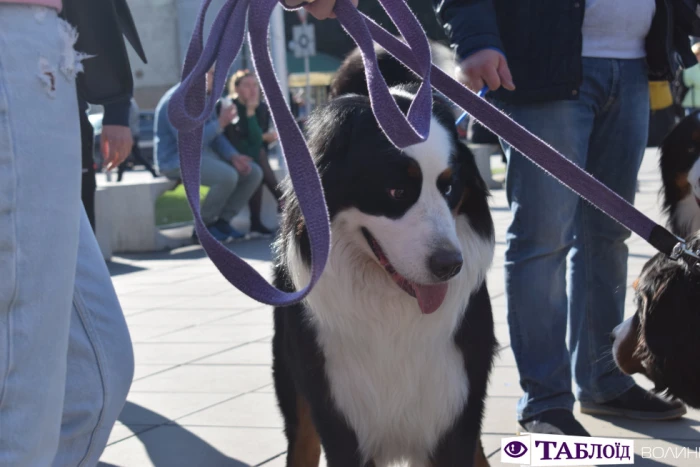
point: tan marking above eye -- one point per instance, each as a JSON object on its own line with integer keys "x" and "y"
{"x": 445, "y": 175}
{"x": 413, "y": 170}
{"x": 682, "y": 183}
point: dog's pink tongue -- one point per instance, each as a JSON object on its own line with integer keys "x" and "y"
{"x": 430, "y": 297}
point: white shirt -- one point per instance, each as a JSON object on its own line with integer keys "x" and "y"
{"x": 617, "y": 28}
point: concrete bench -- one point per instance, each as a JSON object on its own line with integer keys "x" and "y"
{"x": 125, "y": 214}
{"x": 482, "y": 155}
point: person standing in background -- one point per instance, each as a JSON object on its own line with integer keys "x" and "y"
{"x": 575, "y": 73}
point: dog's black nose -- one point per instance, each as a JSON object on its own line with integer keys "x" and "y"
{"x": 445, "y": 264}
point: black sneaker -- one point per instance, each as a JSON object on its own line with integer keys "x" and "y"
{"x": 553, "y": 422}
{"x": 637, "y": 404}
{"x": 259, "y": 229}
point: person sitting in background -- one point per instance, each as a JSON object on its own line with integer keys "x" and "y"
{"x": 251, "y": 136}
{"x": 691, "y": 79}
{"x": 231, "y": 177}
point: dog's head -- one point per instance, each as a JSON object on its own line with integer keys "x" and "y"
{"x": 680, "y": 173}
{"x": 661, "y": 339}
{"x": 418, "y": 216}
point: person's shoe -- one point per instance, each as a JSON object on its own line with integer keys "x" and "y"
{"x": 553, "y": 422}
{"x": 260, "y": 229}
{"x": 637, "y": 404}
{"x": 226, "y": 228}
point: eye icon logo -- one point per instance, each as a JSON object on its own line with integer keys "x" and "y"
{"x": 515, "y": 449}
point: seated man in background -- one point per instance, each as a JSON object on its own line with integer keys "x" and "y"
{"x": 232, "y": 178}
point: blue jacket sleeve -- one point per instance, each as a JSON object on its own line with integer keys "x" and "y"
{"x": 470, "y": 25}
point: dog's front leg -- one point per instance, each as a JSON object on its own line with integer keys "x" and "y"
{"x": 339, "y": 440}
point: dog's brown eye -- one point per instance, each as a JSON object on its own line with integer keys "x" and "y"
{"x": 397, "y": 193}
{"x": 447, "y": 190}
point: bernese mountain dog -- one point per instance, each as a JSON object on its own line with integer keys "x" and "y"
{"x": 660, "y": 340}
{"x": 388, "y": 358}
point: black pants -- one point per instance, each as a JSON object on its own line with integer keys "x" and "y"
{"x": 89, "y": 185}
{"x": 136, "y": 154}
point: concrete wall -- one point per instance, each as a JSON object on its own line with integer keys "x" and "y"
{"x": 165, "y": 27}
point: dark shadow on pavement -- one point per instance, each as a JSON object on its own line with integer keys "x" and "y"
{"x": 118, "y": 269}
{"x": 171, "y": 445}
{"x": 254, "y": 249}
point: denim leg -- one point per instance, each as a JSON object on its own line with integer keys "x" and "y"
{"x": 247, "y": 184}
{"x": 39, "y": 225}
{"x": 598, "y": 261}
{"x": 100, "y": 359}
{"x": 538, "y": 241}
{"x": 222, "y": 180}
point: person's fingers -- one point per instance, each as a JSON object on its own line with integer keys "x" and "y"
{"x": 506, "y": 77}
{"x": 321, "y": 9}
{"x": 471, "y": 80}
{"x": 490, "y": 76}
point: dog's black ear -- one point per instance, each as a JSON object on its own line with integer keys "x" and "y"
{"x": 474, "y": 203}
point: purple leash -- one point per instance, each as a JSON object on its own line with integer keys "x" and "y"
{"x": 190, "y": 107}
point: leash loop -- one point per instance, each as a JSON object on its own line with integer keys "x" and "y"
{"x": 402, "y": 131}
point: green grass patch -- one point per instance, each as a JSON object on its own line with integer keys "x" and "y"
{"x": 172, "y": 207}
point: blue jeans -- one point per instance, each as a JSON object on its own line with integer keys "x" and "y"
{"x": 564, "y": 258}
{"x": 66, "y": 360}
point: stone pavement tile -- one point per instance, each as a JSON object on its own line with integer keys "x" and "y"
{"x": 188, "y": 288}
{"x": 143, "y": 332}
{"x": 208, "y": 379}
{"x": 225, "y": 301}
{"x": 142, "y": 371}
{"x": 146, "y": 353}
{"x": 183, "y": 446}
{"x": 145, "y": 408}
{"x": 499, "y": 416}
{"x": 256, "y": 353}
{"x": 502, "y": 334}
{"x": 262, "y": 315}
{"x": 177, "y": 317}
{"x": 133, "y": 304}
{"x": 225, "y": 334}
{"x": 256, "y": 410}
{"x": 504, "y": 383}
{"x": 505, "y": 358}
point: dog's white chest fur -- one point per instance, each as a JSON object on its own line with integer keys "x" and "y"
{"x": 394, "y": 373}
{"x": 399, "y": 380}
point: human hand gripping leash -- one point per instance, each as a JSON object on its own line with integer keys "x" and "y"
{"x": 190, "y": 107}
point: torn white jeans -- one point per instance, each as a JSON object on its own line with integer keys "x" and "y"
{"x": 66, "y": 360}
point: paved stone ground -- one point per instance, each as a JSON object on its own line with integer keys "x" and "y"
{"x": 202, "y": 393}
